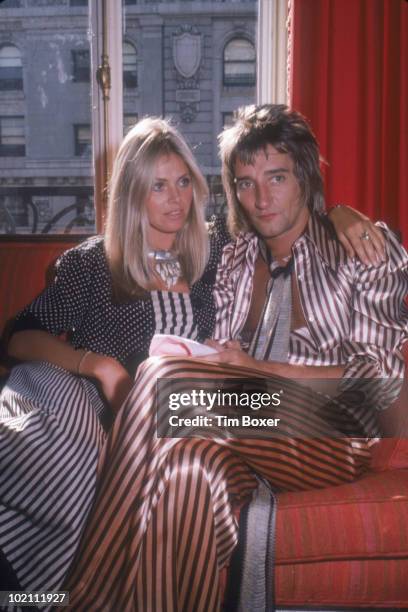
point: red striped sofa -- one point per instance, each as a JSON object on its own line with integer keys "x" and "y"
{"x": 343, "y": 547}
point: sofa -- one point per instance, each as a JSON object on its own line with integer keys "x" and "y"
{"x": 339, "y": 548}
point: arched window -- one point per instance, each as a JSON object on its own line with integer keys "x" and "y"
{"x": 11, "y": 71}
{"x": 239, "y": 62}
{"x": 129, "y": 66}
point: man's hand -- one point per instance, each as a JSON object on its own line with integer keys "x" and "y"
{"x": 231, "y": 353}
{"x": 232, "y": 356}
{"x": 221, "y": 345}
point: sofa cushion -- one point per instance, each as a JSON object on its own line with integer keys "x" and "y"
{"x": 344, "y": 545}
{"x": 356, "y": 585}
{"x": 392, "y": 451}
{"x": 390, "y": 454}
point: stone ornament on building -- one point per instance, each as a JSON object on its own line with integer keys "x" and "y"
{"x": 187, "y": 60}
{"x": 187, "y": 53}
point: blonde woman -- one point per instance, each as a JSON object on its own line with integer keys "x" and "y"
{"x": 153, "y": 272}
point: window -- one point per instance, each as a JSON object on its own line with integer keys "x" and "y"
{"x": 129, "y": 66}
{"x": 81, "y": 66}
{"x": 58, "y": 179}
{"x": 239, "y": 63}
{"x": 11, "y": 71}
{"x": 49, "y": 188}
{"x": 83, "y": 146}
{"x": 128, "y": 122}
{"x": 12, "y": 137}
{"x": 227, "y": 119}
{"x": 10, "y": 4}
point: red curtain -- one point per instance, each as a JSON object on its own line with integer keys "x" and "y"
{"x": 349, "y": 75}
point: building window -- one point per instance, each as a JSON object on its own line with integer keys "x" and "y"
{"x": 12, "y": 137}
{"x": 227, "y": 119}
{"x": 10, "y": 4}
{"x": 128, "y": 122}
{"x": 11, "y": 70}
{"x": 129, "y": 66}
{"x": 83, "y": 141}
{"x": 239, "y": 63}
{"x": 81, "y": 70}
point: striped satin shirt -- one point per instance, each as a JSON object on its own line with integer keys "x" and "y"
{"x": 356, "y": 315}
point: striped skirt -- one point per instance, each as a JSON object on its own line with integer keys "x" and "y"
{"x": 50, "y": 438}
{"x": 162, "y": 526}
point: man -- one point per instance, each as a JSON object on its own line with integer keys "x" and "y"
{"x": 164, "y": 524}
{"x": 325, "y": 315}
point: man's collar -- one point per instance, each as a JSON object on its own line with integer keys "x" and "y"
{"x": 318, "y": 233}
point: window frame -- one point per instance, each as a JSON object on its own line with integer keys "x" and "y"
{"x": 80, "y": 74}
{"x": 7, "y": 150}
{"x": 127, "y": 126}
{"x": 244, "y": 82}
{"x": 82, "y": 148}
{"x": 224, "y": 115}
{"x": 271, "y": 37}
{"x": 130, "y": 77}
{"x": 8, "y": 83}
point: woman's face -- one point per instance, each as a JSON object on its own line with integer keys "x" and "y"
{"x": 169, "y": 201}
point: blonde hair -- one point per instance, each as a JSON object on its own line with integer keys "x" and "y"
{"x": 126, "y": 242}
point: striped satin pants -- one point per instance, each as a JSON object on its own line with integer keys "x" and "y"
{"x": 50, "y": 438}
{"x": 162, "y": 525}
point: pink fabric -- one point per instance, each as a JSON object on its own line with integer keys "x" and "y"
{"x": 166, "y": 344}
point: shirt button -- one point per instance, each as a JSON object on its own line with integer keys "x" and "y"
{"x": 300, "y": 277}
{"x": 311, "y": 319}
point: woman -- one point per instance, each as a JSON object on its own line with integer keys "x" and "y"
{"x": 109, "y": 296}
{"x": 149, "y": 275}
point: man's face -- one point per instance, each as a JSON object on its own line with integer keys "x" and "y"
{"x": 269, "y": 193}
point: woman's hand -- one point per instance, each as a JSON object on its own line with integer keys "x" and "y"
{"x": 358, "y": 235}
{"x": 114, "y": 379}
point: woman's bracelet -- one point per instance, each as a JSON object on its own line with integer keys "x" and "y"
{"x": 81, "y": 361}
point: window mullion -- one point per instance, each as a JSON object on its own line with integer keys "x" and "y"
{"x": 272, "y": 52}
{"x": 107, "y": 99}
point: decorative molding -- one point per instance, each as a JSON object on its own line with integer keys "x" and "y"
{"x": 186, "y": 47}
{"x": 46, "y": 181}
{"x": 187, "y": 53}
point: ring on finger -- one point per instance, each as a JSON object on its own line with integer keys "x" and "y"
{"x": 365, "y": 236}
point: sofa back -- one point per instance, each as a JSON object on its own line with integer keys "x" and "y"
{"x": 24, "y": 268}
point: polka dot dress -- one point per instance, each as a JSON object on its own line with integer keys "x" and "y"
{"x": 80, "y": 303}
